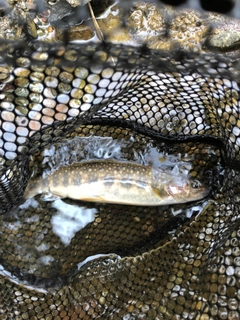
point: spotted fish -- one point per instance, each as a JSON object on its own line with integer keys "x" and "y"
{"x": 111, "y": 181}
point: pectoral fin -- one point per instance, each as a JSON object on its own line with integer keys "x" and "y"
{"x": 49, "y": 197}
{"x": 160, "y": 193}
{"x": 93, "y": 199}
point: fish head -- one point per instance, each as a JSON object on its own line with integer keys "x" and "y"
{"x": 187, "y": 189}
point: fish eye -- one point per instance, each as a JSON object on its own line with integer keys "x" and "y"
{"x": 195, "y": 184}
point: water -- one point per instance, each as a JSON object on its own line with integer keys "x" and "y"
{"x": 43, "y": 243}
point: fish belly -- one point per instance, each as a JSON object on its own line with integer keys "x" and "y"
{"x": 112, "y": 192}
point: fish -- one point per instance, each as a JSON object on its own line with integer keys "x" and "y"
{"x": 119, "y": 182}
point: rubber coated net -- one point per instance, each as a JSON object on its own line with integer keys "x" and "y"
{"x": 59, "y": 103}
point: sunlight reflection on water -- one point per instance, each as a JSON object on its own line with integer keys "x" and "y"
{"x": 70, "y": 220}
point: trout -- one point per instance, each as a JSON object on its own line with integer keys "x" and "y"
{"x": 118, "y": 182}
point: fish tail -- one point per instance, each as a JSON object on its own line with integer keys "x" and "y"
{"x": 33, "y": 188}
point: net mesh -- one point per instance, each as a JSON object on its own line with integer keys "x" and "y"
{"x": 153, "y": 264}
